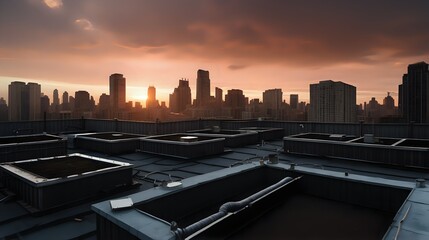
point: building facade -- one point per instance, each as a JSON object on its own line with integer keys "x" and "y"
{"x": 414, "y": 93}
{"x": 24, "y": 101}
{"x": 117, "y": 85}
{"x": 203, "y": 88}
{"x": 332, "y": 102}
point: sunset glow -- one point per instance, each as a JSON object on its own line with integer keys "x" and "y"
{"x": 249, "y": 45}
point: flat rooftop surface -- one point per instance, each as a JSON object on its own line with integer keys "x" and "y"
{"x": 79, "y": 221}
{"x": 303, "y": 216}
{"x": 62, "y": 167}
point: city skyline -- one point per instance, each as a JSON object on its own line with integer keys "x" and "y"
{"x": 253, "y": 46}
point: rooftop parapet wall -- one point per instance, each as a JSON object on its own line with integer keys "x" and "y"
{"x": 399, "y": 130}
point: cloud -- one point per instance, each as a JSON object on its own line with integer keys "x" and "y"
{"x": 53, "y": 3}
{"x": 84, "y": 24}
{"x": 236, "y": 67}
{"x": 293, "y": 33}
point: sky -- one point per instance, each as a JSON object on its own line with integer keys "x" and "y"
{"x": 73, "y": 45}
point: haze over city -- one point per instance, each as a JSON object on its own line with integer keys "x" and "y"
{"x": 250, "y": 45}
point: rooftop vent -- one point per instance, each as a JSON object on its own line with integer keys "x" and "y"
{"x": 109, "y": 142}
{"x": 182, "y": 146}
{"x": 14, "y": 148}
{"x": 189, "y": 139}
{"x": 56, "y": 181}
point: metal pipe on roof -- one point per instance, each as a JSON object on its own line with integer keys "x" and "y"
{"x": 228, "y": 208}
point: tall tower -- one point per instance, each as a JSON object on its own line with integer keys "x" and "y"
{"x": 117, "y": 92}
{"x": 294, "y": 101}
{"x": 181, "y": 97}
{"x": 414, "y": 93}
{"x": 24, "y": 101}
{"x": 151, "y": 101}
{"x": 203, "y": 88}
{"x": 332, "y": 102}
{"x": 219, "y": 96}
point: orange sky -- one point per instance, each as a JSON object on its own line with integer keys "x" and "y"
{"x": 247, "y": 44}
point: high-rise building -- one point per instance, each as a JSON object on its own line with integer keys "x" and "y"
{"x": 236, "y": 101}
{"x": 82, "y": 101}
{"x": 218, "y": 96}
{"x": 272, "y": 101}
{"x": 332, "y": 102}
{"x": 294, "y": 101}
{"x": 151, "y": 101}
{"x": 24, "y": 101}
{"x": 414, "y": 93}
{"x": 117, "y": 87}
{"x": 65, "y": 103}
{"x": 203, "y": 88}
{"x": 44, "y": 104}
{"x": 4, "y": 111}
{"x": 181, "y": 97}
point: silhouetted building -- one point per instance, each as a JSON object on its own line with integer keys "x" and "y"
{"x": 181, "y": 97}
{"x": 203, "y": 88}
{"x": 45, "y": 104}
{"x": 24, "y": 101}
{"x": 332, "y": 102}
{"x": 293, "y": 101}
{"x": 55, "y": 101}
{"x": 4, "y": 112}
{"x": 117, "y": 87}
{"x": 236, "y": 101}
{"x": 414, "y": 93}
{"x": 65, "y": 104}
{"x": 218, "y": 96}
{"x": 272, "y": 101}
{"x": 82, "y": 103}
{"x": 151, "y": 101}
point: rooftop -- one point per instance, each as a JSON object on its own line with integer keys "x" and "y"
{"x": 151, "y": 172}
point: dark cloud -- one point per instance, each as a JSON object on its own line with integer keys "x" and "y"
{"x": 312, "y": 32}
{"x": 236, "y": 67}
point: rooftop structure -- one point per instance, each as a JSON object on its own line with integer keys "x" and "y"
{"x": 13, "y": 148}
{"x": 344, "y": 198}
{"x": 52, "y": 182}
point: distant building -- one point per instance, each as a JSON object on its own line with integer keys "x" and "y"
{"x": 218, "y": 96}
{"x": 203, "y": 88}
{"x": 117, "y": 85}
{"x": 293, "y": 101}
{"x": 24, "y": 101}
{"x": 151, "y": 101}
{"x": 181, "y": 97}
{"x": 332, "y": 102}
{"x": 44, "y": 104}
{"x": 65, "y": 104}
{"x": 82, "y": 102}
{"x": 236, "y": 101}
{"x": 272, "y": 100}
{"x": 104, "y": 106}
{"x": 55, "y": 101}
{"x": 414, "y": 93}
{"x": 4, "y": 111}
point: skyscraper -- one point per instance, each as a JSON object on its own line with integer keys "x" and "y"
{"x": 117, "y": 92}
{"x": 24, "y": 101}
{"x": 151, "y": 101}
{"x": 332, "y": 102}
{"x": 272, "y": 100}
{"x": 218, "y": 96}
{"x": 236, "y": 101}
{"x": 65, "y": 103}
{"x": 203, "y": 88}
{"x": 293, "y": 101}
{"x": 414, "y": 93}
{"x": 181, "y": 97}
